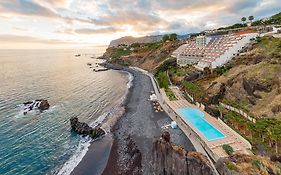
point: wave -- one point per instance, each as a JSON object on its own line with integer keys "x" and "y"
{"x": 106, "y": 122}
{"x": 74, "y": 160}
{"x": 33, "y": 112}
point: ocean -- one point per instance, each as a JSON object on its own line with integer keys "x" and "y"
{"x": 43, "y": 143}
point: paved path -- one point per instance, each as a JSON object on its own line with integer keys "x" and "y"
{"x": 197, "y": 145}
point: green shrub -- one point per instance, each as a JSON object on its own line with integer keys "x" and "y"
{"x": 194, "y": 88}
{"x": 170, "y": 94}
{"x": 120, "y": 52}
{"x": 228, "y": 149}
{"x": 163, "y": 80}
{"x": 231, "y": 166}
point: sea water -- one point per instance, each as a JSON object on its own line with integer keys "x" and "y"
{"x": 43, "y": 143}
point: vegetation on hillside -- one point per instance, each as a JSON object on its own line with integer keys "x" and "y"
{"x": 144, "y": 55}
{"x": 273, "y": 20}
{"x": 259, "y": 66}
{"x": 263, "y": 135}
{"x": 249, "y": 164}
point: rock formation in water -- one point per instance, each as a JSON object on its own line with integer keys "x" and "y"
{"x": 172, "y": 159}
{"x": 40, "y": 105}
{"x": 84, "y": 129}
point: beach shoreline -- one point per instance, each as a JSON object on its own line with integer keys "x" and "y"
{"x": 133, "y": 133}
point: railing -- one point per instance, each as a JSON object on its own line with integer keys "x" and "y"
{"x": 239, "y": 111}
{"x": 236, "y": 134}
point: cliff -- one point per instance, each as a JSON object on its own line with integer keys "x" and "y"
{"x": 144, "y": 55}
{"x": 128, "y": 40}
{"x": 172, "y": 159}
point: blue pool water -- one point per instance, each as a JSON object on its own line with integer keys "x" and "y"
{"x": 196, "y": 119}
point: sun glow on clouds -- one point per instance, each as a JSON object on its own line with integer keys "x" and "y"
{"x": 80, "y": 23}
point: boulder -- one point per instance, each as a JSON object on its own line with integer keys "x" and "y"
{"x": 39, "y": 104}
{"x": 276, "y": 109}
{"x": 275, "y": 158}
{"x": 43, "y": 105}
{"x": 84, "y": 129}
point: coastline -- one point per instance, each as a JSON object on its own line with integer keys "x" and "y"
{"x": 128, "y": 147}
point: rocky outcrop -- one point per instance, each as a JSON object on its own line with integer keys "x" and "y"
{"x": 193, "y": 76}
{"x": 218, "y": 93}
{"x": 241, "y": 164}
{"x": 276, "y": 109}
{"x": 276, "y": 158}
{"x": 43, "y": 105}
{"x": 84, "y": 129}
{"x": 252, "y": 86}
{"x": 223, "y": 169}
{"x": 40, "y": 105}
{"x": 172, "y": 159}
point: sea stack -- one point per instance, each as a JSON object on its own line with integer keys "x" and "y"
{"x": 39, "y": 104}
{"x": 84, "y": 129}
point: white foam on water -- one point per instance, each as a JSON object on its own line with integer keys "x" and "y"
{"x": 100, "y": 119}
{"x": 74, "y": 160}
{"x": 130, "y": 82}
{"x": 83, "y": 145}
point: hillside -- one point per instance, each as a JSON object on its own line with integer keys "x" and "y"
{"x": 144, "y": 55}
{"x": 238, "y": 164}
{"x": 128, "y": 40}
{"x": 253, "y": 82}
{"x": 250, "y": 82}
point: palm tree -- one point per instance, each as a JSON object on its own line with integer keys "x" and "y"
{"x": 276, "y": 131}
{"x": 251, "y": 18}
{"x": 243, "y": 19}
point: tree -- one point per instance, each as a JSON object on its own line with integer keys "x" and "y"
{"x": 165, "y": 38}
{"x": 251, "y": 18}
{"x": 276, "y": 132}
{"x": 228, "y": 149}
{"x": 173, "y": 36}
{"x": 243, "y": 19}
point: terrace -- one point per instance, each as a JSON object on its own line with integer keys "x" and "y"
{"x": 213, "y": 147}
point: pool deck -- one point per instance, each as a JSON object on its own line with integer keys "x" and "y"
{"x": 214, "y": 147}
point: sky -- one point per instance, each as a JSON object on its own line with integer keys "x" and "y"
{"x": 84, "y": 24}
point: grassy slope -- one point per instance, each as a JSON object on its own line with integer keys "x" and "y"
{"x": 262, "y": 65}
{"x": 146, "y": 56}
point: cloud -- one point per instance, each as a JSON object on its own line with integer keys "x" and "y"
{"x": 34, "y": 9}
{"x": 108, "y": 19}
{"x": 24, "y": 7}
{"x": 28, "y": 39}
{"x": 89, "y": 31}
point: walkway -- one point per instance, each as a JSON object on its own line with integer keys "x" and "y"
{"x": 232, "y": 138}
{"x": 187, "y": 131}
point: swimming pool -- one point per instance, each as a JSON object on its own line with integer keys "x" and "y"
{"x": 196, "y": 119}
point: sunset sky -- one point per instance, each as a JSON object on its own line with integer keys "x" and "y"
{"x": 41, "y": 24}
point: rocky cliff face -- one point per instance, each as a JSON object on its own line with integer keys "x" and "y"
{"x": 128, "y": 40}
{"x": 172, "y": 159}
{"x": 253, "y": 81}
{"x": 254, "y": 88}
